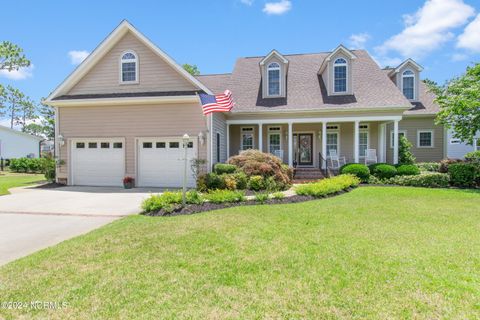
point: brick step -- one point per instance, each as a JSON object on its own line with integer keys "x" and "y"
{"x": 308, "y": 174}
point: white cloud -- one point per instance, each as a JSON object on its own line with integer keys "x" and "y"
{"x": 470, "y": 38}
{"x": 383, "y": 61}
{"x": 459, "y": 57}
{"x": 277, "y": 8}
{"x": 428, "y": 28}
{"x": 247, "y": 2}
{"x": 20, "y": 74}
{"x": 357, "y": 41}
{"x": 76, "y": 57}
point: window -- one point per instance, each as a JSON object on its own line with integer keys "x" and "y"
{"x": 333, "y": 135}
{"x": 246, "y": 139}
{"x": 92, "y": 145}
{"x": 105, "y": 145}
{"x": 454, "y": 141}
{"x": 274, "y": 139}
{"x": 147, "y": 145}
{"x": 425, "y": 138}
{"x": 401, "y": 133}
{"x": 117, "y": 145}
{"x": 218, "y": 147}
{"x": 408, "y": 84}
{"x": 190, "y": 144}
{"x": 273, "y": 79}
{"x": 363, "y": 139}
{"x": 80, "y": 145}
{"x": 174, "y": 145}
{"x": 129, "y": 68}
{"x": 161, "y": 145}
{"x": 340, "y": 75}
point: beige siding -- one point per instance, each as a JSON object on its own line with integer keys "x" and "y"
{"x": 219, "y": 126}
{"x": 330, "y": 77}
{"x": 154, "y": 73}
{"x": 399, "y": 82}
{"x": 130, "y": 122}
{"x": 283, "y": 76}
{"x": 412, "y": 125}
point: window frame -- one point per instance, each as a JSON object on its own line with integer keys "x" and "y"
{"x": 336, "y": 131}
{"x": 367, "y": 131}
{"x": 414, "y": 81}
{"x": 399, "y": 131}
{"x": 432, "y": 132}
{"x": 121, "y": 61}
{"x": 343, "y": 64}
{"x": 270, "y": 132}
{"x": 252, "y": 132}
{"x": 218, "y": 146}
{"x": 279, "y": 68}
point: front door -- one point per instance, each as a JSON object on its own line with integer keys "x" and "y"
{"x": 305, "y": 149}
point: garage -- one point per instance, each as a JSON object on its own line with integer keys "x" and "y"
{"x": 98, "y": 162}
{"x": 161, "y": 164}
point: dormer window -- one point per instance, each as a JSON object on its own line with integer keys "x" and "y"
{"x": 340, "y": 75}
{"x": 273, "y": 79}
{"x": 408, "y": 84}
{"x": 129, "y": 68}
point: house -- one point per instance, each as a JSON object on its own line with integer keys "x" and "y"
{"x": 17, "y": 144}
{"x": 457, "y": 149}
{"x": 124, "y": 110}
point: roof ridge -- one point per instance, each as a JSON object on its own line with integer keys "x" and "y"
{"x": 214, "y": 74}
{"x": 298, "y": 54}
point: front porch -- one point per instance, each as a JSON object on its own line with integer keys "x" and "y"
{"x": 306, "y": 143}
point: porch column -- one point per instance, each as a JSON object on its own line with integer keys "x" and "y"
{"x": 228, "y": 141}
{"x": 290, "y": 144}
{"x": 324, "y": 143}
{"x": 382, "y": 129}
{"x": 356, "y": 142}
{"x": 260, "y": 137}
{"x": 395, "y": 142}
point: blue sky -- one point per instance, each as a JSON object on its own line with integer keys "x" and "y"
{"x": 442, "y": 35}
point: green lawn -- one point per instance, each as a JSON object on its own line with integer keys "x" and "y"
{"x": 374, "y": 253}
{"x": 12, "y": 180}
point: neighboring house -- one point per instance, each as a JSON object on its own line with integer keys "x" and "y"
{"x": 124, "y": 110}
{"x": 16, "y": 144}
{"x": 457, "y": 149}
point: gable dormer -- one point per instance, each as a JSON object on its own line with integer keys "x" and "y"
{"x": 274, "y": 68}
{"x": 407, "y": 78}
{"x": 336, "y": 71}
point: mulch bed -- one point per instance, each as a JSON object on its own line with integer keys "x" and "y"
{"x": 207, "y": 206}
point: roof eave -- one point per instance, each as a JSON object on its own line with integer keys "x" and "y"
{"x": 122, "y": 101}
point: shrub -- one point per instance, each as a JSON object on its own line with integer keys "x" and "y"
{"x": 256, "y": 163}
{"x": 256, "y": 183}
{"x": 427, "y": 179}
{"x": 202, "y": 183}
{"x": 384, "y": 171}
{"x": 328, "y": 186}
{"x": 407, "y": 170}
{"x": 224, "y": 196}
{"x": 405, "y": 156}
{"x": 229, "y": 181}
{"x": 473, "y": 156}
{"x": 463, "y": 174}
{"x": 221, "y": 168}
{"x": 359, "y": 170}
{"x": 169, "y": 201}
{"x": 270, "y": 184}
{"x": 214, "y": 181}
{"x": 261, "y": 197}
{"x": 278, "y": 195}
{"x": 49, "y": 169}
{"x": 374, "y": 180}
{"x": 242, "y": 180}
{"x": 429, "y": 166}
{"x": 445, "y": 163}
{"x": 194, "y": 197}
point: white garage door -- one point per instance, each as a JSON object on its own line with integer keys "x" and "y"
{"x": 98, "y": 162}
{"x": 161, "y": 164}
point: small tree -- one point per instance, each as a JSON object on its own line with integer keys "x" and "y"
{"x": 14, "y": 100}
{"x": 405, "y": 156}
{"x": 192, "y": 69}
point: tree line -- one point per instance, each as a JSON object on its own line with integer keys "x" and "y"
{"x": 20, "y": 110}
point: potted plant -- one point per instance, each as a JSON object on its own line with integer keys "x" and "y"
{"x": 128, "y": 182}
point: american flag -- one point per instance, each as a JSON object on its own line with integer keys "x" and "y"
{"x": 216, "y": 103}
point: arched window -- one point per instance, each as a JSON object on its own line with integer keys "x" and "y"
{"x": 129, "y": 67}
{"x": 408, "y": 84}
{"x": 273, "y": 71}
{"x": 340, "y": 75}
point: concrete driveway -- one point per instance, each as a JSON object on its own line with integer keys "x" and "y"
{"x": 33, "y": 218}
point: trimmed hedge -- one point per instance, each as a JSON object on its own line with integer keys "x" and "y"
{"x": 328, "y": 186}
{"x": 427, "y": 180}
{"x": 428, "y": 166}
{"x": 224, "y": 196}
{"x": 463, "y": 175}
{"x": 169, "y": 201}
{"x": 359, "y": 170}
{"x": 384, "y": 171}
{"x": 221, "y": 168}
{"x": 408, "y": 170}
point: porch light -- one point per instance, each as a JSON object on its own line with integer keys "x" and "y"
{"x": 201, "y": 138}
{"x": 61, "y": 140}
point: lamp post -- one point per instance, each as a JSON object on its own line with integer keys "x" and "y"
{"x": 185, "y": 159}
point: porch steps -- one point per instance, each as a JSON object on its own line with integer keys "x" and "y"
{"x": 303, "y": 175}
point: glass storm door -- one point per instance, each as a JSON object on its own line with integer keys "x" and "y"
{"x": 305, "y": 149}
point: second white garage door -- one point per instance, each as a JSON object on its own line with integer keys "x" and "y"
{"x": 161, "y": 164}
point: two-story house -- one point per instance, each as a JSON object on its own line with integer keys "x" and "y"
{"x": 124, "y": 110}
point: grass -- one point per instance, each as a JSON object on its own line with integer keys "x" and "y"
{"x": 373, "y": 253}
{"x": 11, "y": 180}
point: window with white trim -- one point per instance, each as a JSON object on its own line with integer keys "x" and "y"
{"x": 408, "y": 84}
{"x": 340, "y": 75}
{"x": 425, "y": 138}
{"x": 274, "y": 139}
{"x": 273, "y": 79}
{"x": 401, "y": 133}
{"x": 332, "y": 142}
{"x": 129, "y": 67}
{"x": 246, "y": 138}
{"x": 363, "y": 139}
